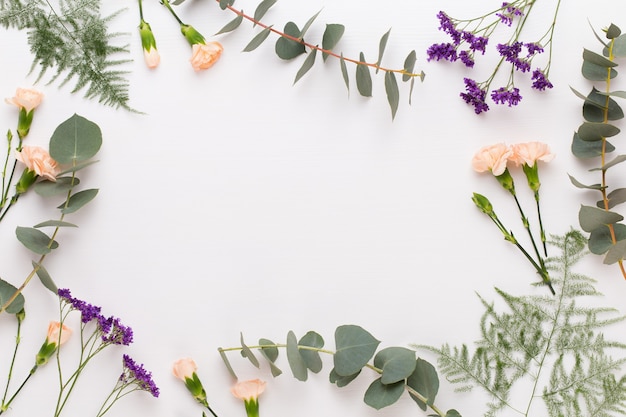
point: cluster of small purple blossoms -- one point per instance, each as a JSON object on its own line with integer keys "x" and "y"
{"x": 504, "y": 96}
{"x": 449, "y": 51}
{"x": 540, "y": 82}
{"x": 508, "y": 13}
{"x": 111, "y": 328}
{"x": 475, "y": 96}
{"x": 136, "y": 374}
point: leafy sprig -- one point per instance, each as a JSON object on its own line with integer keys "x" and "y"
{"x": 73, "y": 43}
{"x": 607, "y": 232}
{"x": 555, "y": 343}
{"x": 398, "y": 368}
{"x": 291, "y": 44}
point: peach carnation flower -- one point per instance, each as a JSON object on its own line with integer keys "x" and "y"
{"x": 54, "y": 331}
{"x": 26, "y": 98}
{"x": 38, "y": 160}
{"x": 248, "y": 390}
{"x": 152, "y": 58}
{"x": 529, "y": 153}
{"x": 184, "y": 368}
{"x": 203, "y": 56}
{"x": 492, "y": 158}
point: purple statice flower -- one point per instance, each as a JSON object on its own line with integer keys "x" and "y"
{"x": 138, "y": 375}
{"x": 508, "y": 13}
{"x": 447, "y": 26}
{"x": 511, "y": 54}
{"x": 467, "y": 59}
{"x": 476, "y": 43}
{"x": 445, "y": 51}
{"x": 475, "y": 96}
{"x": 116, "y": 333}
{"x": 540, "y": 82}
{"x": 506, "y": 96}
{"x": 533, "y": 48}
{"x": 88, "y": 311}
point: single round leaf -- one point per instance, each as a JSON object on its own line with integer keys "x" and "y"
{"x": 619, "y": 46}
{"x": 6, "y": 292}
{"x": 286, "y": 48}
{"x": 397, "y": 364}
{"x": 585, "y": 149}
{"x": 615, "y": 197}
{"x": 312, "y": 358}
{"x": 425, "y": 381}
{"x": 35, "y": 240}
{"x": 341, "y": 381}
{"x": 600, "y": 239}
{"x": 296, "y": 363}
{"x": 595, "y": 106}
{"x": 596, "y": 131}
{"x": 616, "y": 253}
{"x": 75, "y": 140}
{"x": 598, "y": 59}
{"x": 60, "y": 186}
{"x": 379, "y": 395}
{"x": 354, "y": 348}
{"x": 591, "y": 218}
{"x": 594, "y": 72}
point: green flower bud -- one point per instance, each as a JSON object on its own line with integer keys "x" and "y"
{"x": 532, "y": 175}
{"x": 27, "y": 179}
{"x": 483, "y": 203}
{"x": 506, "y": 180}
{"x": 192, "y": 35}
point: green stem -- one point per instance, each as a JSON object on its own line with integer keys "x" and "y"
{"x": 6, "y": 405}
{"x": 166, "y": 3}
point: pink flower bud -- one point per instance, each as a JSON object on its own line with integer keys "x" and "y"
{"x": 55, "y": 330}
{"x": 152, "y": 58}
{"x": 184, "y": 368}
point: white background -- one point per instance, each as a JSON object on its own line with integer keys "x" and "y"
{"x": 242, "y": 203}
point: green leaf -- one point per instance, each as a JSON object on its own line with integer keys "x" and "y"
{"x": 379, "y": 395}
{"x": 6, "y": 292}
{"x": 262, "y": 8}
{"x": 617, "y": 160}
{"x": 598, "y": 59}
{"x": 229, "y": 367}
{"x": 78, "y": 200}
{"x": 586, "y": 149}
{"x": 616, "y": 253}
{"x": 425, "y": 381}
{"x": 75, "y": 140}
{"x": 331, "y": 37}
{"x": 615, "y": 197}
{"x": 225, "y": 3}
{"x": 308, "y": 24}
{"x": 312, "y": 358}
{"x": 54, "y": 223}
{"x": 296, "y": 363}
{"x": 619, "y": 46}
{"x": 341, "y": 381}
{"x": 271, "y": 354}
{"x": 51, "y": 188}
{"x": 579, "y": 184}
{"x": 77, "y": 167}
{"x": 354, "y": 348}
{"x": 620, "y": 94}
{"x": 246, "y": 352}
{"x": 393, "y": 95}
{"x": 35, "y": 240}
{"x": 453, "y": 413}
{"x": 596, "y": 131}
{"x": 382, "y": 45}
{"x": 45, "y": 278}
{"x": 363, "y": 78}
{"x": 594, "y": 108}
{"x": 601, "y": 240}
{"x": 286, "y": 48}
{"x": 409, "y": 66}
{"x": 411, "y": 89}
{"x": 397, "y": 364}
{"x": 591, "y": 218}
{"x": 257, "y": 40}
{"x": 613, "y": 32}
{"x": 306, "y": 65}
{"x": 344, "y": 72}
{"x": 232, "y": 25}
{"x": 594, "y": 72}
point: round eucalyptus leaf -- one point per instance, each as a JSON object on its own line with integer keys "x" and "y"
{"x": 287, "y": 48}
{"x": 600, "y": 239}
{"x": 341, "y": 381}
{"x": 60, "y": 186}
{"x": 354, "y": 348}
{"x": 379, "y": 395}
{"x": 591, "y": 218}
{"x": 296, "y": 363}
{"x": 35, "y": 240}
{"x": 312, "y": 358}
{"x": 6, "y": 292}
{"x": 75, "y": 140}
{"x": 397, "y": 363}
{"x": 425, "y": 381}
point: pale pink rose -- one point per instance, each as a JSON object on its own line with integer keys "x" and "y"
{"x": 152, "y": 58}
{"x": 184, "y": 368}
{"x": 530, "y": 152}
{"x": 55, "y": 330}
{"x": 26, "y": 98}
{"x": 203, "y": 56}
{"x": 248, "y": 390}
{"x": 492, "y": 158}
{"x": 39, "y": 160}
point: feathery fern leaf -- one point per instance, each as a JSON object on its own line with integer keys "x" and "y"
{"x": 556, "y": 343}
{"x": 72, "y": 43}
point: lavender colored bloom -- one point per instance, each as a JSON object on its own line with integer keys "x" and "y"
{"x": 136, "y": 374}
{"x": 534, "y": 48}
{"x": 467, "y": 59}
{"x": 445, "y": 51}
{"x": 511, "y": 54}
{"x": 477, "y": 43}
{"x": 88, "y": 311}
{"x": 504, "y": 96}
{"x": 540, "y": 82}
{"x": 117, "y": 333}
{"x": 475, "y": 96}
{"x": 446, "y": 25}
{"x": 508, "y": 13}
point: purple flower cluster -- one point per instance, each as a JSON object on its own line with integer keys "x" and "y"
{"x": 540, "y": 82}
{"x": 449, "y": 51}
{"x": 136, "y": 374}
{"x": 511, "y": 54}
{"x": 111, "y": 328}
{"x": 475, "y": 96}
{"x": 504, "y": 96}
{"x": 508, "y": 13}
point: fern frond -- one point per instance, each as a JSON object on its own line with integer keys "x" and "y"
{"x": 72, "y": 43}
